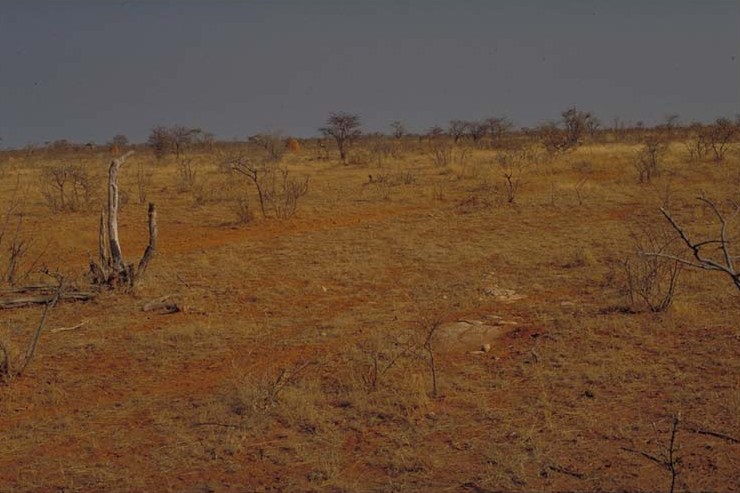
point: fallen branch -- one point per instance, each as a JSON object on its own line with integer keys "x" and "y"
{"x": 64, "y": 329}
{"x": 701, "y": 260}
{"x": 21, "y": 301}
{"x": 566, "y": 471}
{"x": 714, "y": 434}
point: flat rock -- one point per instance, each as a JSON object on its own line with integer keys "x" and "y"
{"x": 469, "y": 335}
{"x": 502, "y": 294}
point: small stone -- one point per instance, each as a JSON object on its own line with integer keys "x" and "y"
{"x": 486, "y": 348}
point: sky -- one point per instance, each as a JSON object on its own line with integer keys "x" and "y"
{"x": 88, "y": 70}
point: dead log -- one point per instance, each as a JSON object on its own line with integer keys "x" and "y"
{"x": 21, "y": 301}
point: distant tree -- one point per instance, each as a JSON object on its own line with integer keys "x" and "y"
{"x": 569, "y": 133}
{"x": 718, "y": 136}
{"x": 399, "y": 129}
{"x": 477, "y": 130}
{"x": 60, "y": 146}
{"x": 458, "y": 129}
{"x": 160, "y": 140}
{"x": 576, "y": 124}
{"x": 497, "y": 127}
{"x": 175, "y": 140}
{"x": 272, "y": 143}
{"x": 119, "y": 140}
{"x": 344, "y": 128}
{"x": 183, "y": 137}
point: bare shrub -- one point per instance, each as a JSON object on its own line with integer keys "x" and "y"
{"x": 143, "y": 182}
{"x": 649, "y": 159}
{"x": 713, "y": 254}
{"x": 381, "y": 354}
{"x": 278, "y": 192}
{"x": 441, "y": 152}
{"x": 651, "y": 281}
{"x": 271, "y": 143}
{"x": 568, "y": 134}
{"x": 15, "y": 246}
{"x": 697, "y": 146}
{"x": 381, "y": 149}
{"x": 513, "y": 166}
{"x": 186, "y": 175}
{"x": 65, "y": 188}
{"x": 718, "y": 137}
{"x": 284, "y": 192}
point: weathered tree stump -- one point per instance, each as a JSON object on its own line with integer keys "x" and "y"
{"x": 111, "y": 269}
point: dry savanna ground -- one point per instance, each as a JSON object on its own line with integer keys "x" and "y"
{"x": 300, "y": 358}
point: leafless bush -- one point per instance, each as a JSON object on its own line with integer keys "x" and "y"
{"x": 441, "y": 151}
{"x": 186, "y": 175}
{"x": 143, "y": 182}
{"x": 381, "y": 148}
{"x": 65, "y": 188}
{"x": 278, "y": 192}
{"x": 513, "y": 166}
{"x": 568, "y": 134}
{"x": 649, "y": 159}
{"x": 380, "y": 354}
{"x": 697, "y": 146}
{"x": 15, "y": 246}
{"x": 272, "y": 143}
{"x": 713, "y": 254}
{"x": 718, "y": 137}
{"x": 652, "y": 281}
{"x": 284, "y": 193}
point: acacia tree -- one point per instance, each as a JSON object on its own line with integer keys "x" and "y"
{"x": 477, "y": 130}
{"x": 718, "y": 136}
{"x": 119, "y": 140}
{"x": 569, "y": 134}
{"x": 458, "y": 129}
{"x": 344, "y": 128}
{"x": 174, "y": 140}
{"x": 498, "y": 127}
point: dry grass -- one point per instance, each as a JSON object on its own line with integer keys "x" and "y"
{"x": 262, "y": 383}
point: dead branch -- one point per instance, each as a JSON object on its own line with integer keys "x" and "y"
{"x": 149, "y": 252}
{"x": 721, "y": 436}
{"x": 700, "y": 259}
{"x": 65, "y": 329}
{"x": 22, "y": 301}
{"x": 35, "y": 340}
{"x": 566, "y": 471}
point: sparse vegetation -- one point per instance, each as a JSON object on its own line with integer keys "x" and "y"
{"x": 289, "y": 354}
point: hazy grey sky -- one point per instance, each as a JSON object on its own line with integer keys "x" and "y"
{"x": 86, "y": 70}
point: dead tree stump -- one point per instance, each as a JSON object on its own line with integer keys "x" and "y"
{"x": 111, "y": 269}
